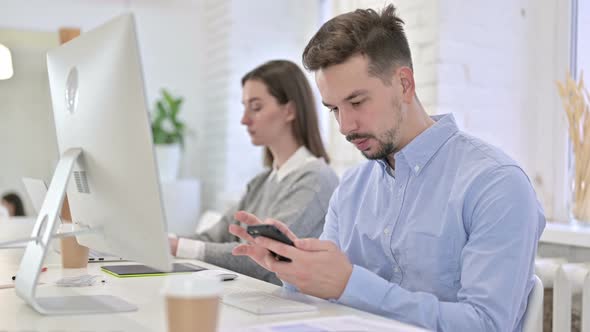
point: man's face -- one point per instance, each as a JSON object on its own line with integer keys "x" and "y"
{"x": 369, "y": 111}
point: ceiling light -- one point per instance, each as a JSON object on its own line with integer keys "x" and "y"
{"x": 6, "y": 71}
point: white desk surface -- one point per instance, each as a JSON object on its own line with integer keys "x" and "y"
{"x": 144, "y": 292}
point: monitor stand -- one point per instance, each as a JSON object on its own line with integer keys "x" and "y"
{"x": 44, "y": 230}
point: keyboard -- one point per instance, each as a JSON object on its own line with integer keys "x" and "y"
{"x": 261, "y": 303}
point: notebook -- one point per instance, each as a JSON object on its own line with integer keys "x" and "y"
{"x": 138, "y": 270}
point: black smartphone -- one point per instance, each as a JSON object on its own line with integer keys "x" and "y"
{"x": 271, "y": 232}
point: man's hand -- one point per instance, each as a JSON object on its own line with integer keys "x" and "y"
{"x": 318, "y": 267}
{"x": 173, "y": 244}
{"x": 257, "y": 253}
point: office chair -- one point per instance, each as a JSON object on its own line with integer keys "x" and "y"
{"x": 533, "y": 316}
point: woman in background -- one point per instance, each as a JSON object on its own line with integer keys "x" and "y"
{"x": 13, "y": 205}
{"x": 279, "y": 114}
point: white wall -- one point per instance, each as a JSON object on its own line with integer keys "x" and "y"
{"x": 169, "y": 38}
{"x": 482, "y": 71}
{"x": 26, "y": 119}
{"x": 498, "y": 64}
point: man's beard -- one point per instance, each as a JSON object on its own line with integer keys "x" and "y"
{"x": 387, "y": 141}
{"x": 386, "y": 146}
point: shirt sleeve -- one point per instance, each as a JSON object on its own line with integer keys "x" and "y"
{"x": 219, "y": 231}
{"x": 504, "y": 222}
{"x": 329, "y": 233}
{"x": 188, "y": 248}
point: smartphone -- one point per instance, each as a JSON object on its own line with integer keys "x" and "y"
{"x": 271, "y": 232}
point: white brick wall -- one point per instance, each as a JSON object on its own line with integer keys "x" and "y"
{"x": 498, "y": 64}
{"x": 206, "y": 157}
{"x": 482, "y": 71}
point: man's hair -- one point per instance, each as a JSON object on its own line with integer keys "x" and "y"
{"x": 286, "y": 82}
{"x": 379, "y": 36}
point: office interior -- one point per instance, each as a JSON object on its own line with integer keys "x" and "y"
{"x": 494, "y": 65}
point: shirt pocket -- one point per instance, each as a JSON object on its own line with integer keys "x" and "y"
{"x": 431, "y": 263}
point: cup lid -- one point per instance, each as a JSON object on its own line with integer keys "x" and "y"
{"x": 191, "y": 285}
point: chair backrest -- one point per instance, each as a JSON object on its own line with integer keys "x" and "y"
{"x": 533, "y": 316}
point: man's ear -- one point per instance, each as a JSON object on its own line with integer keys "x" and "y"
{"x": 406, "y": 76}
{"x": 291, "y": 111}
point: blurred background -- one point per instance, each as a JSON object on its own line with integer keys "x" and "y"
{"x": 493, "y": 64}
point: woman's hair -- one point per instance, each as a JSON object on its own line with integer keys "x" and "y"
{"x": 287, "y": 83}
{"x": 13, "y": 199}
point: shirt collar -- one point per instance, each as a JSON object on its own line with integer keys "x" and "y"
{"x": 385, "y": 167}
{"x": 422, "y": 148}
{"x": 301, "y": 157}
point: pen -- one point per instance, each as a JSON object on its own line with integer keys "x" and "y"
{"x": 42, "y": 270}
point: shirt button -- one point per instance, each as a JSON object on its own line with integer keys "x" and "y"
{"x": 386, "y": 231}
{"x": 396, "y": 269}
{"x": 399, "y": 192}
{"x": 416, "y": 168}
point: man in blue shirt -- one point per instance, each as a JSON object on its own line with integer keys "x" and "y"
{"x": 438, "y": 228}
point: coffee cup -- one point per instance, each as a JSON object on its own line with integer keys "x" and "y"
{"x": 192, "y": 303}
{"x": 73, "y": 255}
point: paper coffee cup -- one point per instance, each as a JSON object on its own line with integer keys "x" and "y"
{"x": 192, "y": 303}
{"x": 73, "y": 255}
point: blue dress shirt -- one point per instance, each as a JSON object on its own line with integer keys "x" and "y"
{"x": 447, "y": 241}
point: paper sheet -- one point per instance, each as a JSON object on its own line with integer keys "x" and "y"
{"x": 330, "y": 324}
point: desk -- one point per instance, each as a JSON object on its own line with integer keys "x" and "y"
{"x": 144, "y": 292}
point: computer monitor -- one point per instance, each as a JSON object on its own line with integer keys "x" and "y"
{"x": 105, "y": 145}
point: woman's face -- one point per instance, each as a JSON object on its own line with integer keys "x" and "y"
{"x": 9, "y": 207}
{"x": 265, "y": 119}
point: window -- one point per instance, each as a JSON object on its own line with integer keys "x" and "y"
{"x": 581, "y": 42}
{"x": 579, "y": 64}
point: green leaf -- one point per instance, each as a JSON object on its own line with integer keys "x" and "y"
{"x": 167, "y": 109}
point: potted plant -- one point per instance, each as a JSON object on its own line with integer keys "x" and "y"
{"x": 168, "y": 132}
